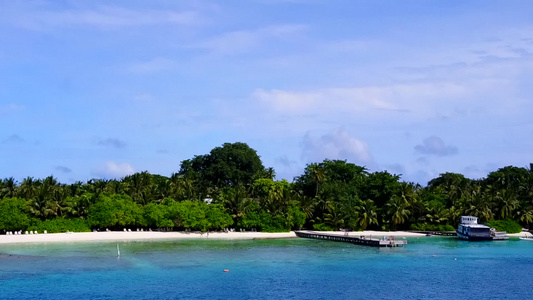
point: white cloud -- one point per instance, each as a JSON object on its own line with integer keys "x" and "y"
{"x": 144, "y": 98}
{"x": 418, "y": 98}
{"x": 113, "y": 169}
{"x": 242, "y": 41}
{"x": 338, "y": 144}
{"x": 152, "y": 66}
{"x": 434, "y": 145}
{"x": 347, "y": 46}
{"x": 103, "y": 17}
{"x": 111, "y": 142}
{"x": 276, "y": 2}
{"x": 10, "y": 108}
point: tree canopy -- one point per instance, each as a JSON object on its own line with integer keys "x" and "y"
{"x": 243, "y": 194}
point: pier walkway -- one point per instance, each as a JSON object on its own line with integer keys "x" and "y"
{"x": 363, "y": 240}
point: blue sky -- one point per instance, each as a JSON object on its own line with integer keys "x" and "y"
{"x": 102, "y": 89}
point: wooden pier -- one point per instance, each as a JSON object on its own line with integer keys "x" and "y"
{"x": 363, "y": 240}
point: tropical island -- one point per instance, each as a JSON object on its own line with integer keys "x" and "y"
{"x": 230, "y": 189}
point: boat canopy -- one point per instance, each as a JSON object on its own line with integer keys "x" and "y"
{"x": 469, "y": 220}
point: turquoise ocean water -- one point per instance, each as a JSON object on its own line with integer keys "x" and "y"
{"x": 267, "y": 269}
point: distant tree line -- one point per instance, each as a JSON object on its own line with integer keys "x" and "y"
{"x": 243, "y": 194}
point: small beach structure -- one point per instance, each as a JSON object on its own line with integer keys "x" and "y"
{"x": 363, "y": 240}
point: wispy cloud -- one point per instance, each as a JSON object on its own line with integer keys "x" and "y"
{"x": 63, "y": 169}
{"x": 113, "y": 169}
{"x": 398, "y": 169}
{"x": 13, "y": 139}
{"x": 275, "y": 2}
{"x": 111, "y": 142}
{"x": 434, "y": 145}
{"x": 285, "y": 161}
{"x": 102, "y": 17}
{"x": 152, "y": 66}
{"x": 10, "y": 108}
{"x": 364, "y": 100}
{"x": 338, "y": 144}
{"x": 242, "y": 41}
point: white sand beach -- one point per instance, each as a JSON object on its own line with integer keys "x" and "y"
{"x": 521, "y": 234}
{"x": 157, "y": 235}
{"x": 114, "y": 236}
{"x": 136, "y": 236}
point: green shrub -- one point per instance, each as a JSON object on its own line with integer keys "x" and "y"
{"x": 13, "y": 214}
{"x": 60, "y": 225}
{"x": 115, "y": 211}
{"x": 432, "y": 227}
{"x": 508, "y": 225}
{"x": 323, "y": 227}
{"x": 278, "y": 223}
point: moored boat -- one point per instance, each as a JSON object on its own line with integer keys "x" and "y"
{"x": 470, "y": 230}
{"x": 527, "y": 238}
{"x": 498, "y": 235}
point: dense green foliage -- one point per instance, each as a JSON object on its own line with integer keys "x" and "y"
{"x": 243, "y": 195}
{"x": 60, "y": 225}
{"x": 509, "y": 226}
{"x": 13, "y": 214}
{"x": 433, "y": 227}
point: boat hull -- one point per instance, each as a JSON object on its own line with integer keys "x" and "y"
{"x": 473, "y": 238}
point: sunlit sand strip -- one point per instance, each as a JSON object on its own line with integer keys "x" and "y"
{"x": 137, "y": 236}
{"x": 113, "y": 236}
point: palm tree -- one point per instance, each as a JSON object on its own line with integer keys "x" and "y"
{"x": 161, "y": 190}
{"x": 48, "y": 200}
{"x": 75, "y": 189}
{"x": 307, "y": 204}
{"x": 279, "y": 198}
{"x": 114, "y": 187}
{"x": 437, "y": 214}
{"x": 8, "y": 188}
{"x": 96, "y": 186}
{"x": 451, "y": 184}
{"x": 38, "y": 205}
{"x": 454, "y": 214}
{"x": 334, "y": 215}
{"x": 139, "y": 187}
{"x": 508, "y": 203}
{"x": 182, "y": 187}
{"x": 527, "y": 216}
{"x": 397, "y": 209}
{"x": 478, "y": 204}
{"x": 237, "y": 201}
{"x": 318, "y": 175}
{"x": 367, "y": 214}
{"x": 407, "y": 192}
{"x": 28, "y": 188}
{"x": 78, "y": 206}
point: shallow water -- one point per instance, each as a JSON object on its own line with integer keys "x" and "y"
{"x": 267, "y": 269}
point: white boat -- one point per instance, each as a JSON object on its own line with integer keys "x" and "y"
{"x": 527, "y": 239}
{"x": 498, "y": 235}
{"x": 470, "y": 230}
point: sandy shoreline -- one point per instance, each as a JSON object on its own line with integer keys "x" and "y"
{"x": 115, "y": 236}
